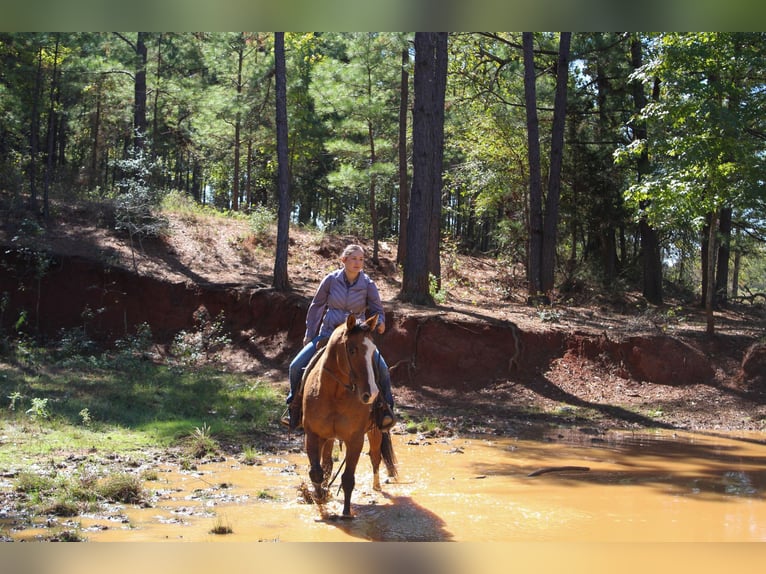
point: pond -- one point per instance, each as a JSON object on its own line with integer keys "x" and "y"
{"x": 615, "y": 487}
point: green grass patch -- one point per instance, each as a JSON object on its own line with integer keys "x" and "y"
{"x": 423, "y": 425}
{"x": 50, "y": 407}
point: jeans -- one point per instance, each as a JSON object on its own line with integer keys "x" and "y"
{"x": 302, "y": 359}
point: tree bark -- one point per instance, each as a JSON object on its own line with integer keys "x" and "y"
{"x": 34, "y": 131}
{"x": 710, "y": 271}
{"x": 281, "y": 280}
{"x": 550, "y": 224}
{"x": 735, "y": 268}
{"x": 373, "y": 199}
{"x": 235, "y": 180}
{"x": 51, "y": 146}
{"x": 139, "y": 106}
{"x": 724, "y": 252}
{"x": 651, "y": 259}
{"x": 404, "y": 191}
{"x": 430, "y": 48}
{"x": 535, "y": 178}
{"x": 440, "y": 88}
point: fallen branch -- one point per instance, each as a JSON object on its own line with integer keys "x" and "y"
{"x": 548, "y": 469}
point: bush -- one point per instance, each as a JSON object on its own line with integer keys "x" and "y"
{"x": 137, "y": 204}
{"x": 262, "y": 219}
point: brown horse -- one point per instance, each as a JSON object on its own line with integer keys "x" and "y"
{"x": 339, "y": 391}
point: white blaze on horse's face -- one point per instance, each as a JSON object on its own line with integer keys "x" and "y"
{"x": 369, "y": 349}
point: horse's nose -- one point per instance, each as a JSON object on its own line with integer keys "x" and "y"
{"x": 366, "y": 397}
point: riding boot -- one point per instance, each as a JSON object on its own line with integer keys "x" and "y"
{"x": 384, "y": 415}
{"x": 293, "y": 414}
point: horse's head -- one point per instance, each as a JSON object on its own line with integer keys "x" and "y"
{"x": 354, "y": 349}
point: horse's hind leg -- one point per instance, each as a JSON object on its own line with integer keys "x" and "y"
{"x": 326, "y": 457}
{"x": 375, "y": 438}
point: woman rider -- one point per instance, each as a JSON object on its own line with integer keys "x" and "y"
{"x": 348, "y": 290}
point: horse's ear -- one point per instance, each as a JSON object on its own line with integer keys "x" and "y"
{"x": 350, "y": 322}
{"x": 372, "y": 322}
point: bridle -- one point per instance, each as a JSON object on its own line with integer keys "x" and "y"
{"x": 350, "y": 387}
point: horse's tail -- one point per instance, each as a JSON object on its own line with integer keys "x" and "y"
{"x": 389, "y": 457}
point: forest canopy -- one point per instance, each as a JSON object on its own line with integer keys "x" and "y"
{"x": 658, "y": 179}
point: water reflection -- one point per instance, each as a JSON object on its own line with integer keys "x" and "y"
{"x": 639, "y": 487}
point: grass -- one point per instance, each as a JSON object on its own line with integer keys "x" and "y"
{"x": 51, "y": 407}
{"x": 221, "y": 527}
{"x": 424, "y": 425}
{"x": 115, "y": 406}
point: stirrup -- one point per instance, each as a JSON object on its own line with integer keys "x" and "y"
{"x": 284, "y": 420}
{"x": 384, "y": 416}
{"x": 386, "y": 422}
{"x": 291, "y": 417}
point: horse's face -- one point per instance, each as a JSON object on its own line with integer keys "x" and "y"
{"x": 357, "y": 340}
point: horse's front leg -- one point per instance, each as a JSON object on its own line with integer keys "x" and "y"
{"x": 353, "y": 450}
{"x": 314, "y": 447}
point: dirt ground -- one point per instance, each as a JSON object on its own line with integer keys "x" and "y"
{"x": 576, "y": 390}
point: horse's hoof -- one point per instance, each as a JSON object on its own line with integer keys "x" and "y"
{"x": 320, "y": 495}
{"x": 347, "y": 516}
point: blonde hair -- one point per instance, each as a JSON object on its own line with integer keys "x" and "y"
{"x": 352, "y": 249}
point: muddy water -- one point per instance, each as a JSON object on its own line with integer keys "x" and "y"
{"x": 638, "y": 488}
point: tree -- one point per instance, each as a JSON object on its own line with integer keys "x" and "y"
{"x": 139, "y": 84}
{"x": 281, "y": 280}
{"x": 355, "y": 91}
{"x": 704, "y": 136}
{"x": 534, "y": 267}
{"x": 550, "y": 225}
{"x": 650, "y": 248}
{"x": 52, "y": 123}
{"x": 427, "y": 141}
{"x": 404, "y": 187}
{"x": 485, "y": 174}
{"x": 543, "y": 224}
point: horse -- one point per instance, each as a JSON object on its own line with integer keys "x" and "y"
{"x": 339, "y": 391}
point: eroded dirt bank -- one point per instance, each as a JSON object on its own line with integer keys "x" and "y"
{"x": 439, "y": 349}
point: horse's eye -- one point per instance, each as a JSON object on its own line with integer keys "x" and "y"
{"x": 352, "y": 351}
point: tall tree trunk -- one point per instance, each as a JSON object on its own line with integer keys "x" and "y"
{"x": 281, "y": 280}
{"x": 249, "y": 174}
{"x": 139, "y": 109}
{"x": 440, "y": 89}
{"x": 238, "y": 126}
{"x": 404, "y": 190}
{"x": 704, "y": 259}
{"x": 373, "y": 199}
{"x": 415, "y": 280}
{"x": 34, "y": 131}
{"x": 534, "y": 265}
{"x": 710, "y": 275}
{"x": 156, "y": 99}
{"x": 94, "y": 179}
{"x": 550, "y": 224}
{"x": 49, "y": 163}
{"x": 650, "y": 247}
{"x": 724, "y": 251}
{"x": 735, "y": 268}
